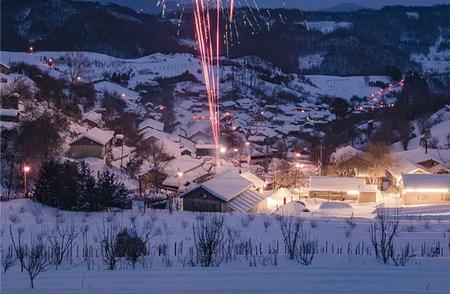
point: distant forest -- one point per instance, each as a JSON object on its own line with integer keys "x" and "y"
{"x": 376, "y": 39}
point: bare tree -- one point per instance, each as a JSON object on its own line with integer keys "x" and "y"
{"x": 291, "y": 230}
{"x": 77, "y": 67}
{"x": 108, "y": 236}
{"x": 383, "y": 233}
{"x": 267, "y": 221}
{"x": 306, "y": 249}
{"x": 209, "y": 231}
{"x": 379, "y": 159}
{"x": 404, "y": 256}
{"x": 8, "y": 259}
{"x": 19, "y": 248}
{"x": 61, "y": 239}
{"x": 36, "y": 259}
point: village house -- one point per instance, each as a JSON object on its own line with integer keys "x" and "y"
{"x": 425, "y": 188}
{"x": 9, "y": 119}
{"x": 93, "y": 119}
{"x": 185, "y": 171}
{"x": 342, "y": 188}
{"x": 416, "y": 161}
{"x": 150, "y": 124}
{"x": 95, "y": 143}
{"x": 230, "y": 191}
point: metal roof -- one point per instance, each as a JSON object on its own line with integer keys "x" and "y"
{"x": 245, "y": 201}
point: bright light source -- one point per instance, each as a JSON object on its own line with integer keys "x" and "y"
{"x": 235, "y": 150}
{"x": 247, "y": 143}
{"x": 222, "y": 150}
{"x": 26, "y": 168}
{"x": 427, "y": 190}
{"x": 297, "y": 155}
{"x": 179, "y": 173}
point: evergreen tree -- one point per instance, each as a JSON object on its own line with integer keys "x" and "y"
{"x": 110, "y": 192}
{"x": 46, "y": 189}
{"x": 86, "y": 189}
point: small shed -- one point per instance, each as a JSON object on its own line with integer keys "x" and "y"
{"x": 425, "y": 188}
{"x": 342, "y": 188}
{"x": 225, "y": 193}
{"x": 95, "y": 143}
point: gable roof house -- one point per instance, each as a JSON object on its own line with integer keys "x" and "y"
{"x": 95, "y": 143}
{"x": 425, "y": 188}
{"x": 226, "y": 192}
{"x": 416, "y": 161}
{"x": 150, "y": 124}
{"x": 342, "y": 188}
{"x": 9, "y": 119}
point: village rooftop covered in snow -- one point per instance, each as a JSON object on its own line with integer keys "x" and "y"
{"x": 224, "y": 146}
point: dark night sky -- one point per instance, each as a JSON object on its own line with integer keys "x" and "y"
{"x": 150, "y": 5}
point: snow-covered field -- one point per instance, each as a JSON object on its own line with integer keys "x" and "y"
{"x": 344, "y": 262}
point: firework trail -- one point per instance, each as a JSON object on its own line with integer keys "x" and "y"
{"x": 209, "y": 40}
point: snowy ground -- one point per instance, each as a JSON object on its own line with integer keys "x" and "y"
{"x": 425, "y": 278}
{"x": 336, "y": 268}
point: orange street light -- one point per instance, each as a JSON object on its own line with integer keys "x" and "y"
{"x": 26, "y": 170}
{"x": 179, "y": 174}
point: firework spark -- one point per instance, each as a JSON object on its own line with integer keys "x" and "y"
{"x": 209, "y": 40}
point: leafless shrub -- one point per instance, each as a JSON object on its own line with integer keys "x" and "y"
{"x": 267, "y": 222}
{"x": 184, "y": 224}
{"x": 411, "y": 228}
{"x": 108, "y": 235}
{"x": 8, "y": 259}
{"x": 153, "y": 217}
{"x": 427, "y": 225}
{"x": 347, "y": 232}
{"x": 314, "y": 224}
{"x": 350, "y": 222}
{"x": 404, "y": 256}
{"x": 291, "y": 229}
{"x": 383, "y": 233}
{"x": 14, "y": 218}
{"x": 21, "y": 210}
{"x": 61, "y": 239}
{"x": 18, "y": 246}
{"x": 306, "y": 249}
{"x": 251, "y": 217}
{"x": 245, "y": 222}
{"x": 36, "y": 259}
{"x": 208, "y": 233}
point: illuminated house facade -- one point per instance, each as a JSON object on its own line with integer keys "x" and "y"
{"x": 425, "y": 188}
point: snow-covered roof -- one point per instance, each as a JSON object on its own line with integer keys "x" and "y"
{"x": 9, "y": 112}
{"x": 93, "y": 116}
{"x": 228, "y": 103}
{"x": 344, "y": 153}
{"x": 257, "y": 182}
{"x": 228, "y": 185}
{"x": 246, "y": 200}
{"x": 336, "y": 184}
{"x": 151, "y": 123}
{"x": 97, "y": 135}
{"x": 149, "y": 133}
{"x": 426, "y": 181}
{"x": 407, "y": 161}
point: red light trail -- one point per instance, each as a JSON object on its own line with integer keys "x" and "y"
{"x": 209, "y": 48}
